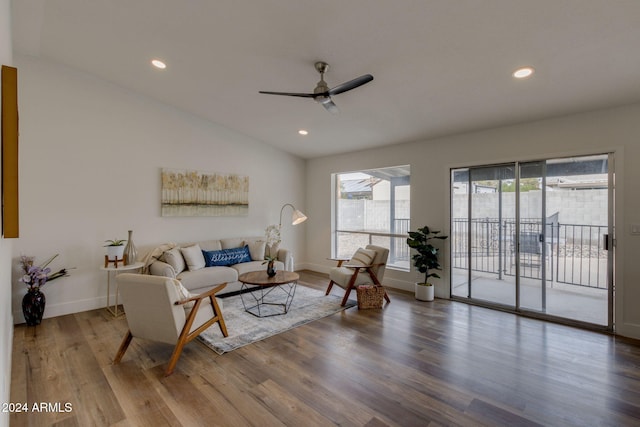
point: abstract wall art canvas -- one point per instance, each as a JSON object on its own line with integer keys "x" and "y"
{"x": 193, "y": 193}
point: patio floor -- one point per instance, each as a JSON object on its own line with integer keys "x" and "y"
{"x": 568, "y": 301}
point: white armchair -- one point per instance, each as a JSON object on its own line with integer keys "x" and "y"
{"x": 366, "y": 266}
{"x": 160, "y": 309}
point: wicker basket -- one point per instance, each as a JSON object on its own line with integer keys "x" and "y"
{"x": 369, "y": 296}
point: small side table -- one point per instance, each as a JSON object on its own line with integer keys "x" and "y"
{"x": 109, "y": 268}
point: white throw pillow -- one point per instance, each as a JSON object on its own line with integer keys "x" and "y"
{"x": 174, "y": 258}
{"x": 362, "y": 257}
{"x": 184, "y": 294}
{"x": 193, "y": 257}
{"x": 256, "y": 249}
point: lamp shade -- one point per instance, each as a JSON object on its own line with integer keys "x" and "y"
{"x": 296, "y": 218}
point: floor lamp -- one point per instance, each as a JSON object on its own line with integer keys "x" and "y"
{"x": 296, "y": 218}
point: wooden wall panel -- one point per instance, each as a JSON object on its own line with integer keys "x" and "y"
{"x": 10, "y": 208}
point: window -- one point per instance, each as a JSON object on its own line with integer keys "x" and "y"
{"x": 373, "y": 207}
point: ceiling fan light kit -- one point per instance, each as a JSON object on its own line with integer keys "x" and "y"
{"x": 322, "y": 94}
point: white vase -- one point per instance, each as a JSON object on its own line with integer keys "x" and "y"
{"x": 424, "y": 292}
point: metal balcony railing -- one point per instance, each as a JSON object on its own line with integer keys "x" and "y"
{"x": 567, "y": 253}
{"x": 349, "y": 241}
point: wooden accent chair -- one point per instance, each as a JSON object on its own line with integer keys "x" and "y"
{"x": 357, "y": 271}
{"x": 160, "y": 309}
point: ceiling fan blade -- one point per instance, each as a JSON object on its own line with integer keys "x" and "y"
{"x": 301, "y": 95}
{"x": 352, "y": 84}
{"x": 330, "y": 107}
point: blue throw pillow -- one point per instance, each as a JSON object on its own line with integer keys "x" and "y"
{"x": 226, "y": 257}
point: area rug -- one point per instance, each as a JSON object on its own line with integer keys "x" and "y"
{"x": 244, "y": 328}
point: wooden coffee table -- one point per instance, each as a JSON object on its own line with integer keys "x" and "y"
{"x": 272, "y": 296}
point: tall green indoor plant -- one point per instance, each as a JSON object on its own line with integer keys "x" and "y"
{"x": 425, "y": 259}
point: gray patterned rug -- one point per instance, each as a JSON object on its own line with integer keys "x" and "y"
{"x": 244, "y": 328}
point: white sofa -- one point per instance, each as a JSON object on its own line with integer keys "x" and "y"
{"x": 187, "y": 262}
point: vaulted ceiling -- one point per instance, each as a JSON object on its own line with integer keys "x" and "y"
{"x": 439, "y": 66}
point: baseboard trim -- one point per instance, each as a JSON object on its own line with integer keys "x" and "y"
{"x": 55, "y": 310}
{"x": 630, "y": 330}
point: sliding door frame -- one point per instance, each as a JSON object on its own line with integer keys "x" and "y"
{"x": 517, "y": 309}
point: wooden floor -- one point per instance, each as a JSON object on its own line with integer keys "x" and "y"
{"x": 409, "y": 364}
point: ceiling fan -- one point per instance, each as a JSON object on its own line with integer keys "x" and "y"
{"x": 322, "y": 94}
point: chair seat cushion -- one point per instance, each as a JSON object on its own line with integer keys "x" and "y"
{"x": 342, "y": 275}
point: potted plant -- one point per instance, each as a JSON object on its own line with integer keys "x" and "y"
{"x": 35, "y": 277}
{"x": 115, "y": 249}
{"x": 271, "y": 266}
{"x": 425, "y": 259}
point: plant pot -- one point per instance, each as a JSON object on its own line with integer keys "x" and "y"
{"x": 33, "y": 306}
{"x": 115, "y": 252}
{"x": 424, "y": 292}
{"x": 271, "y": 269}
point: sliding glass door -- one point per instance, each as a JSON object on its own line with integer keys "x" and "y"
{"x": 480, "y": 241}
{"x": 532, "y": 237}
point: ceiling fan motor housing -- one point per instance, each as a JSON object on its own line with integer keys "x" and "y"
{"x": 321, "y": 87}
{"x": 322, "y": 93}
{"x": 322, "y": 67}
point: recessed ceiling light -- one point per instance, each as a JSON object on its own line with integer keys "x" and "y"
{"x": 158, "y": 64}
{"x": 303, "y": 132}
{"x": 523, "y": 73}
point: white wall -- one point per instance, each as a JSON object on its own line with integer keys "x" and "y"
{"x": 584, "y": 207}
{"x": 6, "y": 320}
{"x": 90, "y": 161}
{"x": 615, "y": 129}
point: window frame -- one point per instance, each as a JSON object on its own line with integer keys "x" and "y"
{"x": 397, "y": 228}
